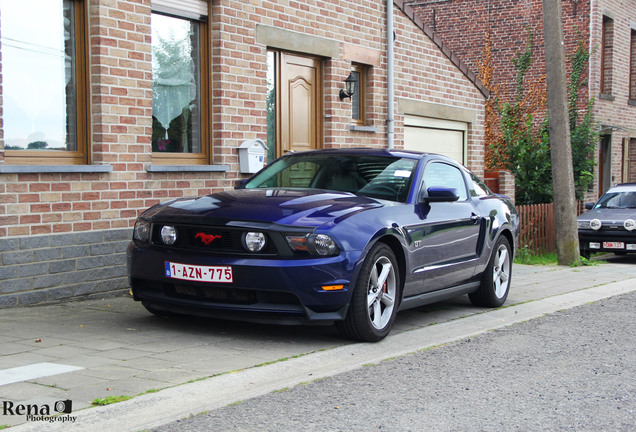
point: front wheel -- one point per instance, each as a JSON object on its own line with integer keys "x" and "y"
{"x": 375, "y": 298}
{"x": 159, "y": 312}
{"x": 495, "y": 282}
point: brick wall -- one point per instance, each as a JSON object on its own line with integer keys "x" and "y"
{"x": 63, "y": 234}
{"x": 464, "y": 24}
{"x": 614, "y": 112}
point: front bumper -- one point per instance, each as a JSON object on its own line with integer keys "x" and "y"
{"x": 607, "y": 241}
{"x": 287, "y": 291}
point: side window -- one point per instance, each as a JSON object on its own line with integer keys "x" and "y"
{"x": 479, "y": 188}
{"x": 180, "y": 91}
{"x": 439, "y": 174}
{"x": 44, "y": 85}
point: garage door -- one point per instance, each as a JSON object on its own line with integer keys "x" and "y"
{"x": 436, "y": 136}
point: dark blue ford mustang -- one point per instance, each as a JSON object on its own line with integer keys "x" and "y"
{"x": 349, "y": 236}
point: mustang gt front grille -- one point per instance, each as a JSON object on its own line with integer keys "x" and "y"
{"x": 209, "y": 239}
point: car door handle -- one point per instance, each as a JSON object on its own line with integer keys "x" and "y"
{"x": 475, "y": 218}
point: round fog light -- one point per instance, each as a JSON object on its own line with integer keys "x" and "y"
{"x": 254, "y": 241}
{"x": 595, "y": 224}
{"x": 168, "y": 235}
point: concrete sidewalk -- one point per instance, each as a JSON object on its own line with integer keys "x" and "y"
{"x": 83, "y": 351}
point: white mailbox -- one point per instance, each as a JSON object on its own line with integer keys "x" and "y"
{"x": 252, "y": 156}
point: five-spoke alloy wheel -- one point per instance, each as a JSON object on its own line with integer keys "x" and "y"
{"x": 375, "y": 298}
{"x": 495, "y": 282}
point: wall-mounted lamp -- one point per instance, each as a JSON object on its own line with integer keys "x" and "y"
{"x": 350, "y": 87}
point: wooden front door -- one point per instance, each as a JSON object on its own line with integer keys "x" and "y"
{"x": 300, "y": 103}
{"x": 605, "y": 164}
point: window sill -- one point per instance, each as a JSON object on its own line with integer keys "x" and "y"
{"x": 188, "y": 168}
{"x": 44, "y": 169}
{"x": 358, "y": 128}
{"x": 606, "y": 96}
{"x": 631, "y": 102}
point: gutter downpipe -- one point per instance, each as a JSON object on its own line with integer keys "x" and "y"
{"x": 390, "y": 77}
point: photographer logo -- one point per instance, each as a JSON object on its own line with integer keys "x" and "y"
{"x": 57, "y": 412}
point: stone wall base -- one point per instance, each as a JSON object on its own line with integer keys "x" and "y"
{"x": 49, "y": 268}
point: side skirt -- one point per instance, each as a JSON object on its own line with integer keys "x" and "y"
{"x": 437, "y": 296}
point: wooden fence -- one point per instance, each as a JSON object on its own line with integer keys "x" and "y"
{"x": 538, "y": 232}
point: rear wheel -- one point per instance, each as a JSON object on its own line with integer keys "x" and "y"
{"x": 495, "y": 282}
{"x": 375, "y": 298}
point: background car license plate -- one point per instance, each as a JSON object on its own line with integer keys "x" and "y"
{"x": 614, "y": 245}
{"x": 222, "y": 274}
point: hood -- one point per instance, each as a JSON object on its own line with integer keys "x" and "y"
{"x": 609, "y": 215}
{"x": 306, "y": 208}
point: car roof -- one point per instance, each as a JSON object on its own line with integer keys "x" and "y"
{"x": 623, "y": 187}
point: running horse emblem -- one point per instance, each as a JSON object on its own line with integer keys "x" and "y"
{"x": 207, "y": 238}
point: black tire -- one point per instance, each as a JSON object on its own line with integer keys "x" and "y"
{"x": 373, "y": 308}
{"x": 495, "y": 282}
{"x": 586, "y": 254}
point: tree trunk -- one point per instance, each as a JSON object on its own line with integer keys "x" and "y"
{"x": 567, "y": 242}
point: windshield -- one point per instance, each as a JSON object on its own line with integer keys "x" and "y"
{"x": 625, "y": 200}
{"x": 383, "y": 177}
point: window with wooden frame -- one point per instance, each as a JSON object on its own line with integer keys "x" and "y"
{"x": 44, "y": 82}
{"x": 632, "y": 68}
{"x": 180, "y": 82}
{"x": 607, "y": 55}
{"x": 359, "y": 97}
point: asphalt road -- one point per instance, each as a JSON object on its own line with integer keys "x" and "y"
{"x": 571, "y": 370}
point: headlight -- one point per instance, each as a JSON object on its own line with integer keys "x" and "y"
{"x": 142, "y": 230}
{"x": 583, "y": 224}
{"x": 316, "y": 244}
{"x": 323, "y": 245}
{"x": 254, "y": 241}
{"x": 168, "y": 235}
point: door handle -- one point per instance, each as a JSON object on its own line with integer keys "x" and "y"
{"x": 475, "y": 218}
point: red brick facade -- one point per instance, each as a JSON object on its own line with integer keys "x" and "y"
{"x": 465, "y": 24}
{"x": 615, "y": 112}
{"x": 64, "y": 229}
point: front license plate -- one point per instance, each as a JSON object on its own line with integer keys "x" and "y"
{"x": 219, "y": 274}
{"x": 614, "y": 245}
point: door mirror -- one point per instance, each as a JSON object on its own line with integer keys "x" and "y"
{"x": 440, "y": 194}
{"x": 240, "y": 184}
